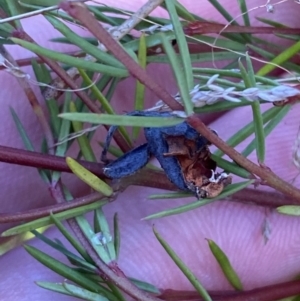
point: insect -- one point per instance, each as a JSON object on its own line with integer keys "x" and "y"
{"x": 197, "y": 167}
{"x": 181, "y": 151}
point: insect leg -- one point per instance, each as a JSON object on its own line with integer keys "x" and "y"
{"x": 129, "y": 163}
{"x": 158, "y": 146}
{"x": 108, "y": 139}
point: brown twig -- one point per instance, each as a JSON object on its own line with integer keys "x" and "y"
{"x": 145, "y": 177}
{"x": 44, "y": 161}
{"x": 266, "y": 293}
{"x": 264, "y": 173}
{"x": 262, "y": 198}
{"x": 80, "y": 12}
{"x": 45, "y": 211}
{"x": 203, "y": 27}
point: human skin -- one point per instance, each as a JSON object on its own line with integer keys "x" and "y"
{"x": 235, "y": 227}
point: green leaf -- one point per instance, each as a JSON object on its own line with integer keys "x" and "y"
{"x": 223, "y": 43}
{"x": 140, "y": 88}
{"x": 248, "y": 129}
{"x": 225, "y": 265}
{"x": 22, "y": 132}
{"x": 284, "y": 56}
{"x": 220, "y": 8}
{"x": 89, "y": 178}
{"x": 116, "y": 291}
{"x": 147, "y": 287}
{"x": 184, "y": 269}
{"x": 54, "y": 287}
{"x": 182, "y": 11}
{"x": 269, "y": 56}
{"x": 197, "y": 58}
{"x": 170, "y": 195}
{"x": 268, "y": 128}
{"x": 244, "y": 10}
{"x": 64, "y": 40}
{"x": 179, "y": 75}
{"x": 41, "y": 72}
{"x": 63, "y": 131}
{"x": 71, "y": 239}
{"x": 16, "y": 241}
{"x": 231, "y": 167}
{"x": 83, "y": 141}
{"x": 97, "y": 240}
{"x": 74, "y": 259}
{"x": 65, "y": 271}
{"x": 27, "y": 143}
{"x": 65, "y": 127}
{"x": 222, "y": 106}
{"x": 102, "y": 100}
{"x": 122, "y": 119}
{"x": 230, "y": 189}
{"x": 259, "y": 132}
{"x": 72, "y": 61}
{"x": 42, "y": 2}
{"x": 271, "y": 22}
{"x": 117, "y": 235}
{"x": 250, "y": 73}
{"x": 55, "y": 122}
{"x": 234, "y": 74}
{"x": 105, "y": 18}
{"x": 13, "y": 8}
{"x": 43, "y": 75}
{"x": 84, "y": 45}
{"x": 182, "y": 45}
{"x": 249, "y": 80}
{"x": 289, "y": 210}
{"x": 83, "y": 293}
{"x": 45, "y": 221}
{"x": 101, "y": 227}
{"x": 151, "y": 41}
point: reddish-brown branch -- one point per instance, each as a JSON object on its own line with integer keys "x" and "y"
{"x": 45, "y": 211}
{"x": 38, "y": 160}
{"x": 262, "y": 198}
{"x": 266, "y": 293}
{"x": 203, "y": 27}
{"x": 265, "y": 174}
{"x": 145, "y": 177}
